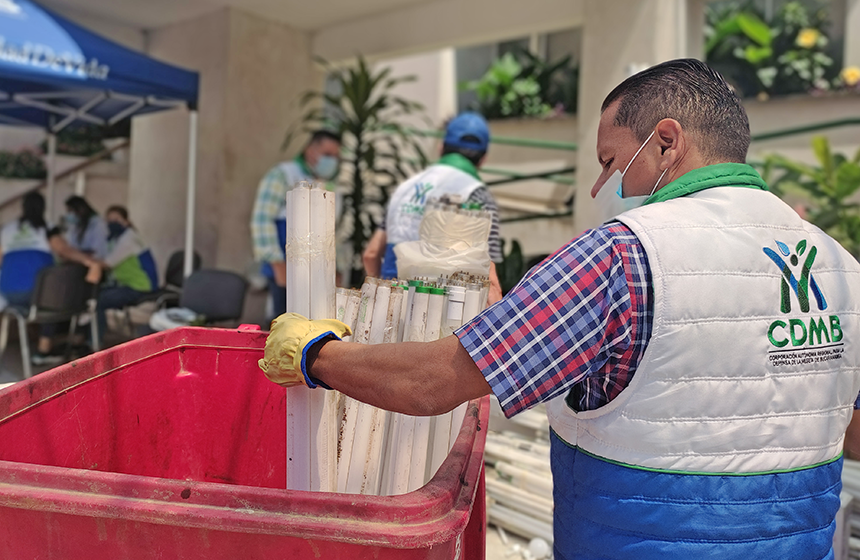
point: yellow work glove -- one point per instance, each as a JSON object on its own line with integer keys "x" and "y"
{"x": 287, "y": 345}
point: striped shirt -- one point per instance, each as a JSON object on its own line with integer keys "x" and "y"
{"x": 577, "y": 324}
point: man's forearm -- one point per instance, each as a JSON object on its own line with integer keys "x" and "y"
{"x": 417, "y": 378}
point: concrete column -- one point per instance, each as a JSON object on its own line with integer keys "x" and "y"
{"x": 852, "y": 37}
{"x": 619, "y": 39}
{"x": 695, "y": 23}
{"x": 159, "y": 143}
{"x": 251, "y": 73}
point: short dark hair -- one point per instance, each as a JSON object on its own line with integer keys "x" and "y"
{"x": 117, "y": 209}
{"x": 693, "y": 94}
{"x": 323, "y": 134}
{"x": 475, "y": 156}
{"x": 33, "y": 207}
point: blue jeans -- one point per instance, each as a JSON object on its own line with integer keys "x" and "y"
{"x": 114, "y": 297}
{"x": 279, "y": 299}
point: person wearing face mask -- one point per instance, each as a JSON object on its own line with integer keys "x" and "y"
{"x": 699, "y": 354}
{"x": 131, "y": 271}
{"x": 85, "y": 229}
{"x": 319, "y": 161}
{"x": 28, "y": 245}
{"x": 464, "y": 149}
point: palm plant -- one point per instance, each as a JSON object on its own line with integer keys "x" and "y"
{"x": 378, "y": 150}
{"x": 829, "y": 188}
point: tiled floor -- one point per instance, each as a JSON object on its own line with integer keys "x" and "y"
{"x": 10, "y": 366}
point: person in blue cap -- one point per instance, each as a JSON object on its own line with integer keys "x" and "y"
{"x": 455, "y": 175}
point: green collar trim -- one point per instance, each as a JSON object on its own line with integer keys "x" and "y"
{"x": 459, "y": 161}
{"x": 669, "y": 471}
{"x": 719, "y": 175}
{"x": 300, "y": 161}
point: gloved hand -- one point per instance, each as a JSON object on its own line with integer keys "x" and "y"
{"x": 290, "y": 338}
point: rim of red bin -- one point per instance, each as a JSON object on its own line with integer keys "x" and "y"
{"x": 436, "y": 513}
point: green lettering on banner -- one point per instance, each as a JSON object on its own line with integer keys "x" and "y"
{"x": 797, "y": 340}
{"x": 773, "y": 326}
{"x": 818, "y": 328}
{"x": 835, "y": 328}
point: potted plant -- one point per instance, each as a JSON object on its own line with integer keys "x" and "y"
{"x": 378, "y": 152}
{"x": 828, "y": 190}
{"x": 525, "y": 85}
{"x": 789, "y": 53}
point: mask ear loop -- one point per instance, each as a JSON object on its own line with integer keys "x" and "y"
{"x": 642, "y": 147}
{"x": 657, "y": 183}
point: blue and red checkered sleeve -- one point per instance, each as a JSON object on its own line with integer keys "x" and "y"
{"x": 578, "y": 323}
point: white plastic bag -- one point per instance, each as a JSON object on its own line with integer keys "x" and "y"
{"x": 451, "y": 240}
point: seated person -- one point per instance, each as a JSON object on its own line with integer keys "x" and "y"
{"x": 28, "y": 245}
{"x": 131, "y": 268}
{"x": 86, "y": 231}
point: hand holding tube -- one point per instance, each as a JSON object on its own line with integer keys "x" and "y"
{"x": 291, "y": 337}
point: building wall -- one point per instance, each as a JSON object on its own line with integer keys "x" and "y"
{"x": 126, "y": 35}
{"x": 441, "y": 24}
{"x": 159, "y": 143}
{"x": 269, "y": 67}
{"x": 252, "y": 71}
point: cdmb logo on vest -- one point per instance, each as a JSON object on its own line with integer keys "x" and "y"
{"x": 805, "y": 331}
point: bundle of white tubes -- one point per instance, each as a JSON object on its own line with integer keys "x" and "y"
{"x": 384, "y": 453}
{"x": 519, "y": 485}
{"x": 338, "y": 444}
{"x": 310, "y": 258}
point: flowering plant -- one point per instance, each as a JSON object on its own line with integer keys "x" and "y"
{"x": 24, "y": 164}
{"x": 790, "y": 53}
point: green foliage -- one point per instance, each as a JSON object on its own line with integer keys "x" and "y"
{"x": 526, "y": 86}
{"x": 25, "y": 164}
{"x": 788, "y": 54}
{"x": 558, "y": 81}
{"x": 512, "y": 268}
{"x": 830, "y": 189}
{"x": 86, "y": 139}
{"x": 378, "y": 152}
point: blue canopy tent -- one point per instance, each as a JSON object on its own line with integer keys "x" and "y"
{"x": 54, "y": 73}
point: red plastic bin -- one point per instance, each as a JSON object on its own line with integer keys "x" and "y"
{"x": 173, "y": 447}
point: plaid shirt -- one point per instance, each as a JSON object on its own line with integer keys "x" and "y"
{"x": 578, "y": 324}
{"x": 269, "y": 206}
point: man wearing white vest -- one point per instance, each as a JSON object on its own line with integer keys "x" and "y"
{"x": 318, "y": 161}
{"x": 698, "y": 354}
{"x": 455, "y": 175}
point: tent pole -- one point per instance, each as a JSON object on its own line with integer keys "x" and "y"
{"x": 192, "y": 186}
{"x": 52, "y": 158}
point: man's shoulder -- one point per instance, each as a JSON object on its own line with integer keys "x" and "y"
{"x": 615, "y": 230}
{"x": 605, "y": 238}
{"x": 283, "y": 172}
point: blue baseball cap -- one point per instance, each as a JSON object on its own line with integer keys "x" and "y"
{"x": 465, "y": 125}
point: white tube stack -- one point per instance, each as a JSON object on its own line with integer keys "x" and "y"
{"x": 311, "y": 415}
{"x": 338, "y": 444}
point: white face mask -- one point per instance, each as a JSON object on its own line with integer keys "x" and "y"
{"x": 610, "y": 198}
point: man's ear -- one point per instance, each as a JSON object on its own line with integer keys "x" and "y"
{"x": 671, "y": 138}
